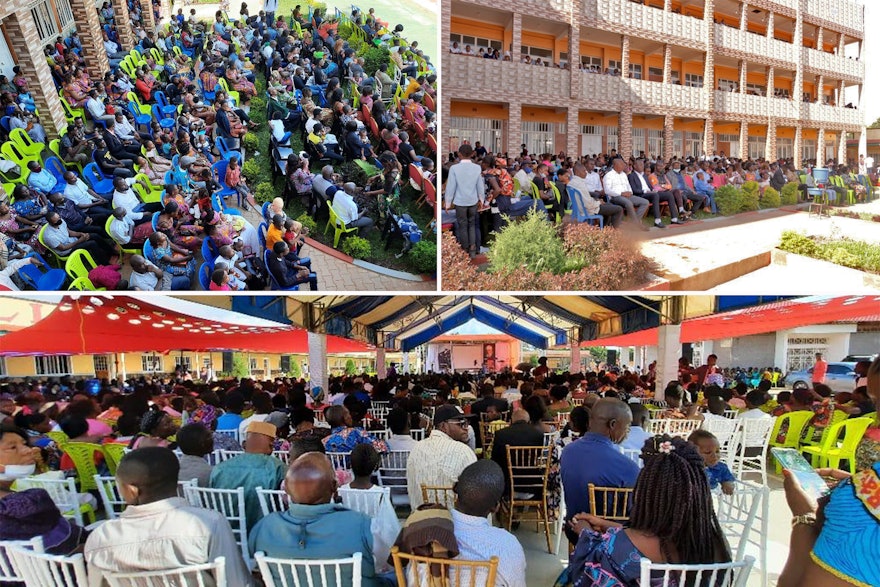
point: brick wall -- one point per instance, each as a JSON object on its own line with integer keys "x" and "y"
{"x": 89, "y": 28}
{"x": 123, "y": 25}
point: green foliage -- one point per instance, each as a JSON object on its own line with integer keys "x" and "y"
{"x": 750, "y": 196}
{"x": 533, "y": 360}
{"x": 357, "y": 247}
{"x": 598, "y": 353}
{"x": 798, "y": 243}
{"x": 295, "y": 369}
{"x": 251, "y": 170}
{"x": 250, "y": 142}
{"x": 375, "y": 59}
{"x": 307, "y": 222}
{"x": 728, "y": 199}
{"x": 770, "y": 199}
{"x": 240, "y": 367}
{"x": 841, "y": 256}
{"x": 859, "y": 255}
{"x": 531, "y": 244}
{"x": 423, "y": 256}
{"x": 350, "y": 367}
{"x": 265, "y": 192}
{"x": 789, "y": 194}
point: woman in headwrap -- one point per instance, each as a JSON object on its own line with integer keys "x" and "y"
{"x": 156, "y": 427}
{"x": 206, "y": 415}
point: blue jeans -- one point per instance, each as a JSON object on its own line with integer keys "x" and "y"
{"x": 710, "y": 198}
{"x": 521, "y": 208}
{"x": 181, "y": 282}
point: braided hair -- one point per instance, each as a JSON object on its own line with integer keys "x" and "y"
{"x": 672, "y": 501}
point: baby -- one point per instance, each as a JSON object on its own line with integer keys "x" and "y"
{"x": 717, "y": 471}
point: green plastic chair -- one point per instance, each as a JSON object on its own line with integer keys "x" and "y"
{"x": 59, "y": 259}
{"x": 71, "y": 113}
{"x": 122, "y": 248}
{"x": 850, "y": 194}
{"x": 142, "y": 108}
{"x": 113, "y": 453}
{"x": 809, "y": 438}
{"x": 12, "y": 151}
{"x": 25, "y": 143}
{"x": 81, "y": 284}
{"x": 149, "y": 192}
{"x": 338, "y": 225}
{"x": 60, "y": 438}
{"x": 796, "y": 423}
{"x": 55, "y": 148}
{"x": 833, "y": 450}
{"x": 78, "y": 265}
{"x": 83, "y": 456}
{"x": 236, "y": 97}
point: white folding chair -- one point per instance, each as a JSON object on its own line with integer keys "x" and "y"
{"x": 8, "y": 572}
{"x": 417, "y": 433}
{"x": 37, "y": 568}
{"x": 182, "y": 485}
{"x": 282, "y": 455}
{"x": 744, "y": 518}
{"x": 379, "y": 412}
{"x": 681, "y": 428}
{"x": 272, "y": 500}
{"x": 727, "y": 433}
{"x": 550, "y": 438}
{"x": 731, "y": 414}
{"x": 392, "y": 474}
{"x": 380, "y": 434}
{"x": 232, "y": 433}
{"x": 109, "y": 492}
{"x": 230, "y": 503}
{"x": 225, "y": 455}
{"x": 205, "y": 575}
{"x": 365, "y": 501}
{"x": 633, "y": 454}
{"x": 733, "y": 574}
{"x": 281, "y": 572}
{"x": 749, "y": 455}
{"x": 63, "y": 493}
{"x": 339, "y": 460}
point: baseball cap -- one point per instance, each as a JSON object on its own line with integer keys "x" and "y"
{"x": 446, "y": 413}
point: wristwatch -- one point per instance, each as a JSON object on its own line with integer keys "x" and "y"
{"x": 805, "y": 519}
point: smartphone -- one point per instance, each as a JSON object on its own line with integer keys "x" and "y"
{"x": 795, "y": 462}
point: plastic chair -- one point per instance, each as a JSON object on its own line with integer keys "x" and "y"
{"x": 833, "y": 450}
{"x": 83, "y": 456}
{"x": 42, "y": 278}
{"x": 113, "y": 453}
{"x": 110, "y": 498}
{"x": 579, "y": 215}
{"x": 219, "y": 171}
{"x": 167, "y": 109}
{"x": 59, "y": 258}
{"x": 366, "y": 502}
{"x": 205, "y": 276}
{"x": 236, "y": 97}
{"x": 12, "y": 150}
{"x": 744, "y": 517}
{"x": 163, "y": 121}
{"x": 727, "y": 431}
{"x": 24, "y": 142}
{"x": 755, "y": 435}
{"x": 272, "y": 500}
{"x": 796, "y": 423}
{"x": 392, "y": 474}
{"x": 56, "y": 167}
{"x": 78, "y": 265}
{"x": 71, "y": 113}
{"x": 281, "y": 572}
{"x": 733, "y": 574}
{"x": 37, "y": 568}
{"x": 124, "y": 249}
{"x": 142, "y": 108}
{"x": 8, "y": 573}
{"x": 140, "y": 119}
{"x": 230, "y": 503}
{"x": 207, "y": 255}
{"x": 275, "y": 286}
{"x": 443, "y": 571}
{"x": 809, "y": 437}
{"x": 96, "y": 180}
{"x": 150, "y": 193}
{"x": 64, "y": 495}
{"x": 338, "y": 225}
{"x": 225, "y": 152}
{"x": 55, "y": 148}
{"x": 148, "y": 251}
{"x": 213, "y": 573}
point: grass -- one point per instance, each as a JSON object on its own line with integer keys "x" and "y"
{"x": 855, "y": 254}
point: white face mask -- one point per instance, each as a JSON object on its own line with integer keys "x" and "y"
{"x": 18, "y": 471}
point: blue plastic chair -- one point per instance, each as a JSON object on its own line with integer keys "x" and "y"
{"x": 219, "y": 171}
{"x": 207, "y": 256}
{"x": 205, "y": 276}
{"x": 140, "y": 119}
{"x": 162, "y": 120}
{"x": 168, "y": 109}
{"x": 155, "y": 222}
{"x": 57, "y": 169}
{"x": 92, "y": 175}
{"x": 579, "y": 215}
{"x": 272, "y": 281}
{"x": 148, "y": 251}
{"x": 265, "y": 210}
{"x": 219, "y": 205}
{"x": 225, "y": 151}
{"x": 42, "y": 279}
{"x": 209, "y": 96}
{"x": 261, "y": 232}
{"x": 6, "y": 123}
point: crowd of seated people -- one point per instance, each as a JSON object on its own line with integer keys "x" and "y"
{"x": 153, "y": 148}
{"x": 610, "y": 186}
{"x": 172, "y": 424}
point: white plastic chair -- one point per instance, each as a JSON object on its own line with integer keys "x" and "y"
{"x": 726, "y": 431}
{"x": 673, "y": 426}
{"x": 109, "y": 492}
{"x": 633, "y": 454}
{"x": 272, "y": 500}
{"x": 749, "y": 455}
{"x": 231, "y": 432}
{"x": 37, "y": 568}
{"x": 733, "y": 574}
{"x": 417, "y": 433}
{"x": 365, "y": 501}
{"x": 215, "y": 456}
{"x": 731, "y": 414}
{"x": 379, "y": 412}
{"x": 282, "y": 572}
{"x": 182, "y": 485}
{"x": 550, "y": 438}
{"x": 8, "y": 570}
{"x": 230, "y": 503}
{"x": 63, "y": 493}
{"x": 225, "y": 455}
{"x": 380, "y": 434}
{"x": 339, "y": 460}
{"x": 744, "y": 518}
{"x": 392, "y": 474}
{"x": 204, "y": 575}
{"x": 282, "y": 455}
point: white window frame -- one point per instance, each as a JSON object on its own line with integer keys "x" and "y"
{"x": 655, "y": 72}
{"x": 784, "y": 148}
{"x": 151, "y": 363}
{"x": 613, "y": 65}
{"x": 101, "y": 363}
{"x": 693, "y": 80}
{"x": 801, "y": 351}
{"x": 638, "y": 141}
{"x": 476, "y": 43}
{"x": 728, "y": 85}
{"x": 762, "y": 90}
{"x": 44, "y": 18}
{"x": 184, "y": 361}
{"x": 253, "y": 363}
{"x": 533, "y": 52}
{"x": 588, "y": 61}
{"x": 655, "y": 143}
{"x": 65, "y": 15}
{"x": 757, "y": 147}
{"x": 487, "y": 131}
{"x": 52, "y": 365}
{"x": 635, "y": 71}
{"x": 612, "y": 139}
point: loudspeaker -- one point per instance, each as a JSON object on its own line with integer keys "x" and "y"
{"x": 611, "y": 357}
{"x": 227, "y": 362}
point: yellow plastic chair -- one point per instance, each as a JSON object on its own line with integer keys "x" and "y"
{"x": 137, "y": 57}
{"x": 113, "y": 453}
{"x": 55, "y": 148}
{"x": 7, "y": 189}
{"x": 71, "y": 113}
{"x": 157, "y": 56}
{"x": 24, "y": 142}
{"x": 236, "y": 97}
{"x": 809, "y": 438}
{"x": 833, "y": 450}
{"x": 60, "y": 438}
{"x": 12, "y": 151}
{"x": 78, "y": 265}
{"x": 83, "y": 456}
{"x": 81, "y": 284}
{"x": 796, "y": 423}
{"x": 338, "y": 225}
{"x": 59, "y": 259}
{"x": 150, "y": 192}
{"x": 142, "y": 108}
{"x": 123, "y": 249}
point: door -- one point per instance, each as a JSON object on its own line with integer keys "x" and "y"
{"x": 6, "y": 61}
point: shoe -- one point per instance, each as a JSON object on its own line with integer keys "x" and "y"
{"x": 677, "y": 221}
{"x": 659, "y": 225}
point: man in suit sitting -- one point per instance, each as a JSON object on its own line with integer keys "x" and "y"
{"x": 640, "y": 187}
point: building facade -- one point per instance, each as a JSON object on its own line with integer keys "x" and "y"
{"x": 757, "y": 78}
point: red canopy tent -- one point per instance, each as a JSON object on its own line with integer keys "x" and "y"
{"x": 99, "y": 325}
{"x": 647, "y": 337}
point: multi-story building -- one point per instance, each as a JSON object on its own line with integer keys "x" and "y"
{"x": 759, "y": 78}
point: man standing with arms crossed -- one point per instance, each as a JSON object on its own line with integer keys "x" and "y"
{"x": 465, "y": 189}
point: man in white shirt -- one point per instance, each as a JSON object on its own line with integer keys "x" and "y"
{"x": 346, "y": 208}
{"x": 11, "y": 269}
{"x": 122, "y": 227}
{"x": 478, "y": 493}
{"x": 96, "y": 107}
{"x": 398, "y": 423}
{"x": 438, "y": 460}
{"x": 465, "y": 190}
{"x": 64, "y": 241}
{"x": 270, "y": 7}
{"x": 612, "y": 213}
{"x": 85, "y": 198}
{"x": 315, "y": 119}
{"x": 159, "y": 530}
{"x": 754, "y": 400}
{"x": 124, "y": 129}
{"x": 145, "y": 276}
{"x": 524, "y": 177}
{"x": 618, "y": 191}
{"x": 124, "y": 197}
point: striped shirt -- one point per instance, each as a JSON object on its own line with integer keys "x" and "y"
{"x": 436, "y": 461}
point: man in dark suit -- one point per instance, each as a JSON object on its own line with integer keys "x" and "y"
{"x": 521, "y": 432}
{"x": 641, "y": 187}
{"x": 288, "y": 270}
{"x": 777, "y": 178}
{"x": 120, "y": 149}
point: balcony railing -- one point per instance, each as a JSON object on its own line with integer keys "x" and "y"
{"x": 638, "y": 17}
{"x": 817, "y": 113}
{"x": 736, "y": 103}
{"x": 731, "y": 38}
{"x": 835, "y": 64}
{"x": 659, "y": 94}
{"x": 844, "y": 12}
{"x": 486, "y": 78}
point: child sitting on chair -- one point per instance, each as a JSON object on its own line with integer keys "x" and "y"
{"x": 716, "y": 470}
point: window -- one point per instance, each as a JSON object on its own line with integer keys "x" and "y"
{"x": 475, "y": 42}
{"x": 678, "y": 143}
{"x": 253, "y": 364}
{"x": 655, "y": 143}
{"x": 65, "y": 14}
{"x": 784, "y": 148}
{"x": 183, "y": 362}
{"x": 655, "y": 74}
{"x": 614, "y": 66}
{"x": 638, "y": 138}
{"x": 56, "y": 365}
{"x": 151, "y": 363}
{"x": 540, "y": 137}
{"x": 635, "y": 71}
{"x": 535, "y": 52}
{"x": 675, "y": 76}
{"x": 839, "y": 370}
{"x": 611, "y": 138}
{"x": 727, "y": 85}
{"x": 693, "y": 144}
{"x": 802, "y": 352}
{"x": 45, "y": 20}
{"x": 808, "y": 151}
{"x": 593, "y": 63}
{"x": 757, "y": 147}
{"x": 756, "y": 89}
{"x": 485, "y": 131}
{"x": 693, "y": 80}
{"x": 101, "y": 363}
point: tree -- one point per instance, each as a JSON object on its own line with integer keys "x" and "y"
{"x": 597, "y": 353}
{"x": 350, "y": 367}
{"x": 295, "y": 370}
{"x": 876, "y": 124}
{"x": 240, "y": 367}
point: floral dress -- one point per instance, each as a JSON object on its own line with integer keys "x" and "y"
{"x": 389, "y": 200}
{"x": 187, "y": 270}
{"x": 182, "y": 235}
{"x": 11, "y": 223}
{"x": 607, "y": 559}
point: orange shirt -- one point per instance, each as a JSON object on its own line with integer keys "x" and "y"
{"x": 273, "y": 235}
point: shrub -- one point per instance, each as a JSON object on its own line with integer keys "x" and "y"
{"x": 728, "y": 199}
{"x": 798, "y": 243}
{"x": 308, "y": 222}
{"x": 423, "y": 256}
{"x": 789, "y": 194}
{"x": 458, "y": 273}
{"x": 375, "y": 59}
{"x": 265, "y": 192}
{"x": 250, "y": 142}
{"x": 841, "y": 256}
{"x": 531, "y": 243}
{"x": 357, "y": 247}
{"x": 251, "y": 171}
{"x": 771, "y": 198}
{"x": 750, "y": 196}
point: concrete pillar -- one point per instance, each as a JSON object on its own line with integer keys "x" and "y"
{"x": 744, "y": 17}
{"x": 780, "y": 351}
{"x": 744, "y": 140}
{"x": 743, "y": 77}
{"x": 572, "y": 125}
{"x": 514, "y": 127}
{"x": 149, "y": 20}
{"x": 318, "y": 359}
{"x": 89, "y": 28}
{"x": 380, "y": 361}
{"x": 709, "y": 136}
{"x": 770, "y": 144}
{"x": 797, "y": 89}
{"x": 820, "y": 39}
{"x": 841, "y": 98}
{"x": 709, "y": 66}
{"x": 574, "y": 61}
{"x": 668, "y": 352}
{"x": 668, "y": 137}
{"x": 575, "y": 366}
{"x": 667, "y": 5}
{"x": 624, "y": 56}
{"x": 404, "y": 364}
{"x": 820, "y": 148}
{"x": 820, "y": 88}
{"x": 841, "y": 46}
{"x": 124, "y": 25}
{"x": 516, "y": 48}
{"x": 22, "y": 33}
{"x": 771, "y": 22}
{"x": 798, "y": 145}
{"x": 770, "y": 73}
{"x": 841, "y": 147}
{"x": 667, "y": 63}
{"x": 624, "y": 132}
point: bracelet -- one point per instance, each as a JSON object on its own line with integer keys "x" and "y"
{"x": 803, "y": 519}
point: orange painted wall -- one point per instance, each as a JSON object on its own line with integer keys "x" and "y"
{"x": 463, "y": 26}
{"x": 731, "y": 73}
{"x": 536, "y": 114}
{"x": 729, "y": 128}
{"x": 784, "y": 132}
{"x": 597, "y": 118}
{"x": 810, "y": 133}
{"x": 478, "y": 110}
{"x": 533, "y": 39}
{"x": 757, "y": 130}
